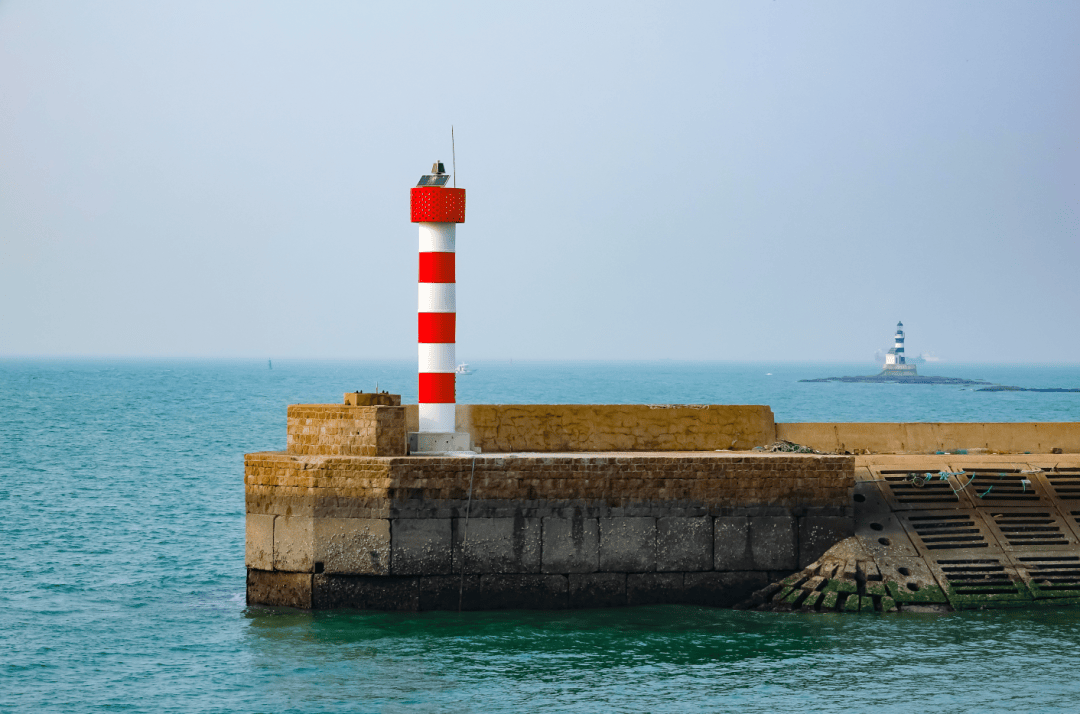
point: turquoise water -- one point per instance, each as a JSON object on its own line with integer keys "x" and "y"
{"x": 122, "y": 576}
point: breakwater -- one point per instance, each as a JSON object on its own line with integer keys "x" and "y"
{"x": 578, "y": 506}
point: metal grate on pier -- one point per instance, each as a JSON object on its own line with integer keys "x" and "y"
{"x": 993, "y": 533}
{"x": 1021, "y": 529}
{"x": 1002, "y": 487}
{"x": 911, "y": 490}
{"x": 971, "y": 583}
{"x": 956, "y": 530}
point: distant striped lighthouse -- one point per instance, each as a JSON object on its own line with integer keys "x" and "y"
{"x": 438, "y": 209}
{"x": 895, "y": 362}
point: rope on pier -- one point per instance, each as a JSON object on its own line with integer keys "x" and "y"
{"x": 465, "y": 534}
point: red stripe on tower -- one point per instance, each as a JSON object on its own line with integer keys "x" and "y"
{"x": 436, "y": 327}
{"x": 436, "y": 388}
{"x": 437, "y": 210}
{"x": 437, "y": 267}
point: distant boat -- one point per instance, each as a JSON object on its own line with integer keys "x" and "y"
{"x": 270, "y": 363}
{"x": 463, "y": 368}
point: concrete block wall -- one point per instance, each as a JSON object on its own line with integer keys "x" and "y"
{"x": 342, "y": 430}
{"x": 561, "y": 561}
{"x": 928, "y": 438}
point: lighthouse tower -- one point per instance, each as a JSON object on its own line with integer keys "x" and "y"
{"x": 895, "y": 363}
{"x": 438, "y": 209}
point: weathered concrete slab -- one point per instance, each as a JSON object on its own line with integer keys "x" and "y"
{"x": 819, "y": 533}
{"x": 722, "y": 589}
{"x": 731, "y": 543}
{"x": 420, "y": 546}
{"x": 259, "y": 541}
{"x": 877, "y": 527}
{"x": 684, "y": 544}
{"x": 909, "y": 580}
{"x": 294, "y": 544}
{"x": 628, "y": 545}
{"x": 589, "y": 590}
{"x": 497, "y": 545}
{"x": 570, "y": 545}
{"x": 267, "y": 587}
{"x": 654, "y": 588}
{"x": 928, "y": 438}
{"x": 773, "y": 543}
{"x": 365, "y": 592}
{"x": 353, "y": 546}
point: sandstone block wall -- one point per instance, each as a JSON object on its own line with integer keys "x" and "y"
{"x": 603, "y": 485}
{"x": 611, "y": 427}
{"x": 342, "y": 430}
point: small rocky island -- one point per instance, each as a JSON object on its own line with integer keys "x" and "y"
{"x": 897, "y": 370}
{"x": 889, "y": 377}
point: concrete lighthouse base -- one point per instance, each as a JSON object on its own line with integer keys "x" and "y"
{"x": 424, "y": 443}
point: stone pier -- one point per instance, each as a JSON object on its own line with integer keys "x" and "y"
{"x": 574, "y": 506}
{"x": 345, "y": 519}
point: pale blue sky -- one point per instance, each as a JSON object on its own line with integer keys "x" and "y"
{"x": 734, "y": 181}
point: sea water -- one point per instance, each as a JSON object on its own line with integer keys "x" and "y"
{"x": 122, "y": 562}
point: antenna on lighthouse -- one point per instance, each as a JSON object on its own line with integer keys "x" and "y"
{"x": 453, "y": 154}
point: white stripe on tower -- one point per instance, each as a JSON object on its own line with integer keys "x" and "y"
{"x": 437, "y": 357}
{"x": 437, "y": 237}
{"x": 437, "y": 297}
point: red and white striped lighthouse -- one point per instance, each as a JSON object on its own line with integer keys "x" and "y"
{"x": 438, "y": 210}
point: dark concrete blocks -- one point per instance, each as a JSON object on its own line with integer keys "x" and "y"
{"x": 268, "y": 587}
{"x": 365, "y": 592}
{"x": 516, "y": 561}
{"x": 731, "y": 544}
{"x": 420, "y": 546}
{"x": 444, "y": 592}
{"x": 493, "y": 592}
{"x": 524, "y": 592}
{"x": 722, "y": 589}
{"x": 449, "y": 592}
{"x": 628, "y": 545}
{"x": 654, "y": 588}
{"x": 589, "y": 590}
{"x": 819, "y": 533}
{"x": 570, "y": 545}
{"x": 497, "y": 545}
{"x": 755, "y": 543}
{"x": 684, "y": 544}
{"x": 773, "y": 543}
